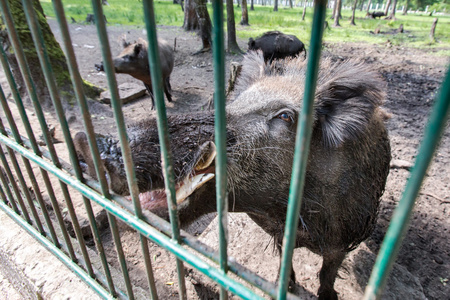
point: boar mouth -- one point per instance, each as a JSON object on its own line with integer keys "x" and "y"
{"x": 202, "y": 172}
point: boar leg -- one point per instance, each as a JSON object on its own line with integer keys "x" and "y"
{"x": 167, "y": 89}
{"x": 331, "y": 263}
{"x": 150, "y": 91}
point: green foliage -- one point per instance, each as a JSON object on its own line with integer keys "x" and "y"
{"x": 263, "y": 18}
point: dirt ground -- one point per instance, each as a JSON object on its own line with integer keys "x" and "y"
{"x": 412, "y": 77}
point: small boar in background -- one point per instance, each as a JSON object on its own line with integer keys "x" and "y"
{"x": 277, "y": 45}
{"x": 347, "y": 166}
{"x": 133, "y": 60}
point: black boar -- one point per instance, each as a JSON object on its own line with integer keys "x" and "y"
{"x": 133, "y": 60}
{"x": 375, "y": 14}
{"x": 347, "y": 166}
{"x": 277, "y": 45}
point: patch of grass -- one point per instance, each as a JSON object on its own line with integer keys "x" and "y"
{"x": 263, "y": 19}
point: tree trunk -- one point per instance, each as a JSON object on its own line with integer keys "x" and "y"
{"x": 392, "y": 15}
{"x": 190, "y": 16}
{"x": 433, "y": 29}
{"x": 204, "y": 22}
{"x": 244, "y": 18}
{"x": 238, "y": 3}
{"x": 275, "y": 6}
{"x": 290, "y": 4}
{"x": 54, "y": 51}
{"x": 368, "y": 5}
{"x": 231, "y": 29}
{"x": 352, "y": 20}
{"x": 304, "y": 11}
{"x": 337, "y": 13}
{"x": 334, "y": 9}
{"x": 386, "y": 9}
{"x": 405, "y": 8}
{"x": 251, "y": 5}
{"x": 361, "y": 5}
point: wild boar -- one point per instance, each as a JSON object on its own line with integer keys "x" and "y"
{"x": 277, "y": 45}
{"x": 347, "y": 166}
{"x": 133, "y": 60}
{"x": 375, "y": 14}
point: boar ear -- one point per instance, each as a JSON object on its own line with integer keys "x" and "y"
{"x": 253, "y": 69}
{"x": 347, "y": 97}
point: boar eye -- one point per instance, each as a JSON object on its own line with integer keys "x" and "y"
{"x": 286, "y": 116}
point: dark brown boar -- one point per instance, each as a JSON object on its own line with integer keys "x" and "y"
{"x": 277, "y": 45}
{"x": 347, "y": 166}
{"x": 133, "y": 60}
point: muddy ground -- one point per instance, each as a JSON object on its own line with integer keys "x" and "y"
{"x": 412, "y": 79}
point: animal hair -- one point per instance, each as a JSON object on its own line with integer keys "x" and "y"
{"x": 347, "y": 95}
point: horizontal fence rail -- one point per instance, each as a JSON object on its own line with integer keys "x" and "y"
{"x": 28, "y": 208}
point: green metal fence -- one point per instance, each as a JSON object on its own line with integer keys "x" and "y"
{"x": 17, "y": 201}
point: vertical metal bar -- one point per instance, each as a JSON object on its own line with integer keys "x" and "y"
{"x": 150, "y": 232}
{"x": 25, "y": 191}
{"x": 163, "y": 133}
{"x": 303, "y": 138}
{"x": 14, "y": 185}
{"x": 400, "y": 219}
{"x": 220, "y": 137}
{"x": 36, "y": 150}
{"x": 58, "y": 253}
{"x": 78, "y": 86}
{"x": 49, "y": 78}
{"x": 36, "y": 189}
{"x": 23, "y": 65}
{"x": 10, "y": 198}
{"x": 123, "y": 138}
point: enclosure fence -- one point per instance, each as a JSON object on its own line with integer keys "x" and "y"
{"x": 29, "y": 210}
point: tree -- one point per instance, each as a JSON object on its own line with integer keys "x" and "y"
{"x": 386, "y": 9}
{"x": 196, "y": 18}
{"x": 244, "y": 18}
{"x": 55, "y": 53}
{"x": 405, "y": 8}
{"x": 352, "y": 20}
{"x": 304, "y": 10}
{"x": 251, "y": 5}
{"x": 275, "y": 6}
{"x": 231, "y": 29}
{"x": 368, "y": 6}
{"x": 337, "y": 13}
{"x": 204, "y": 22}
{"x": 392, "y": 15}
{"x": 336, "y": 8}
{"x": 190, "y": 16}
{"x": 290, "y": 4}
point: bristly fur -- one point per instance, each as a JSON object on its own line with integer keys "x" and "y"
{"x": 346, "y": 97}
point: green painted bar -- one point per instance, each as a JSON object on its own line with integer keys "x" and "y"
{"x": 14, "y": 186}
{"x": 23, "y": 65}
{"x": 163, "y": 133}
{"x": 303, "y": 138}
{"x": 33, "y": 144}
{"x": 123, "y": 138}
{"x": 10, "y": 197}
{"x": 78, "y": 88}
{"x": 400, "y": 219}
{"x": 220, "y": 136}
{"x": 51, "y": 85}
{"x": 144, "y": 228}
{"x": 57, "y": 252}
{"x": 36, "y": 188}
